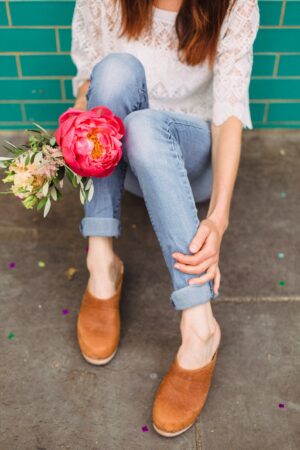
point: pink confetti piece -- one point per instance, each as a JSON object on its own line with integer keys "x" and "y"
{"x": 280, "y": 405}
{"x": 145, "y": 428}
{"x": 65, "y": 311}
{"x": 12, "y": 265}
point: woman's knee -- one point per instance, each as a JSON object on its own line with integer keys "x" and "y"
{"x": 117, "y": 71}
{"x": 145, "y": 130}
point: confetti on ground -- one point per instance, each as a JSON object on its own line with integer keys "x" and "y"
{"x": 145, "y": 428}
{"x": 282, "y": 151}
{"x": 65, "y": 311}
{"x": 133, "y": 225}
{"x": 10, "y": 335}
{"x": 12, "y": 265}
{"x": 280, "y": 255}
{"x": 281, "y": 283}
{"x": 70, "y": 273}
{"x": 280, "y": 405}
{"x": 153, "y": 376}
{"x": 282, "y": 194}
{"x": 41, "y": 264}
{"x": 39, "y": 306}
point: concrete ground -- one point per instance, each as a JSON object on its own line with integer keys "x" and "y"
{"x": 52, "y": 399}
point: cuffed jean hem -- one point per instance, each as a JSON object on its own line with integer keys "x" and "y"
{"x": 96, "y": 226}
{"x": 192, "y": 295}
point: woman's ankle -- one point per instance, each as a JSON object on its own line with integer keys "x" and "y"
{"x": 100, "y": 255}
{"x": 104, "y": 267}
{"x": 198, "y": 322}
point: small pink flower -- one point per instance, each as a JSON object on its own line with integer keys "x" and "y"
{"x": 90, "y": 140}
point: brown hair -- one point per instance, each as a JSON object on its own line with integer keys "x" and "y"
{"x": 198, "y": 25}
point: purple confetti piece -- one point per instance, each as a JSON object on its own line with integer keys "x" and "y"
{"x": 12, "y": 265}
{"x": 65, "y": 311}
{"x": 280, "y": 405}
{"x": 145, "y": 428}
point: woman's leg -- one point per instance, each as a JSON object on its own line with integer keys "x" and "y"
{"x": 118, "y": 82}
{"x": 165, "y": 151}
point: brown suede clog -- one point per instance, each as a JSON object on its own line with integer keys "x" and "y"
{"x": 181, "y": 397}
{"x": 98, "y": 325}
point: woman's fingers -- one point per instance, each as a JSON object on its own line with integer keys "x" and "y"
{"x": 200, "y": 237}
{"x": 217, "y": 281}
{"x": 210, "y": 275}
{"x": 208, "y": 252}
{"x": 195, "y": 269}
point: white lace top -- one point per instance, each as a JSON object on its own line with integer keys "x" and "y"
{"x": 172, "y": 85}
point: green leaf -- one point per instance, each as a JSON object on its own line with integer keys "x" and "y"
{"x": 88, "y": 184}
{"x": 59, "y": 194}
{"x": 82, "y": 196}
{"x": 53, "y": 141}
{"x": 47, "y": 207}
{"x": 41, "y": 128}
{"x": 38, "y": 157}
{"x": 27, "y": 160}
{"x": 91, "y": 192}
{"x": 71, "y": 177}
{"x": 42, "y": 203}
{"x": 6, "y": 158}
{"x": 53, "y": 193}
{"x": 10, "y": 144}
{"x": 45, "y": 189}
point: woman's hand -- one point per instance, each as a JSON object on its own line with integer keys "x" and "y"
{"x": 81, "y": 104}
{"x": 206, "y": 252}
{"x": 81, "y": 101}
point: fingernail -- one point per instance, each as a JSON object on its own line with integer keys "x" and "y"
{"x": 176, "y": 266}
{"x": 193, "y": 248}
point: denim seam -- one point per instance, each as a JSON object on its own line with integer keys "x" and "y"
{"x": 170, "y": 123}
{"x": 116, "y": 210}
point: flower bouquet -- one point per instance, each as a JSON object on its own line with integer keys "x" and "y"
{"x": 86, "y": 144}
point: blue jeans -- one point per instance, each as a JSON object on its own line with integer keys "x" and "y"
{"x": 164, "y": 150}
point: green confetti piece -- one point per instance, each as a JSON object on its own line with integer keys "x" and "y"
{"x": 281, "y": 283}
{"x": 41, "y": 264}
{"x": 282, "y": 194}
{"x": 11, "y": 336}
{"x": 280, "y": 255}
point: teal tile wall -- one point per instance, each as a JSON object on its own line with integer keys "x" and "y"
{"x": 36, "y": 69}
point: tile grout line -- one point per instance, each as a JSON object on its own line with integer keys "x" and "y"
{"x": 23, "y": 112}
{"x": 18, "y": 64}
{"x": 276, "y": 65}
{"x": 8, "y": 13}
{"x": 282, "y": 13}
{"x": 198, "y": 439}
{"x": 58, "y": 49}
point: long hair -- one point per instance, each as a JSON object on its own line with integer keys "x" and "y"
{"x": 198, "y": 24}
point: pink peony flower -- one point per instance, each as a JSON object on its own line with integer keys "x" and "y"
{"x": 90, "y": 140}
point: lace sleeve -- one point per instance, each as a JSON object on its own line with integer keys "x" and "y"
{"x": 86, "y": 39}
{"x": 233, "y": 64}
